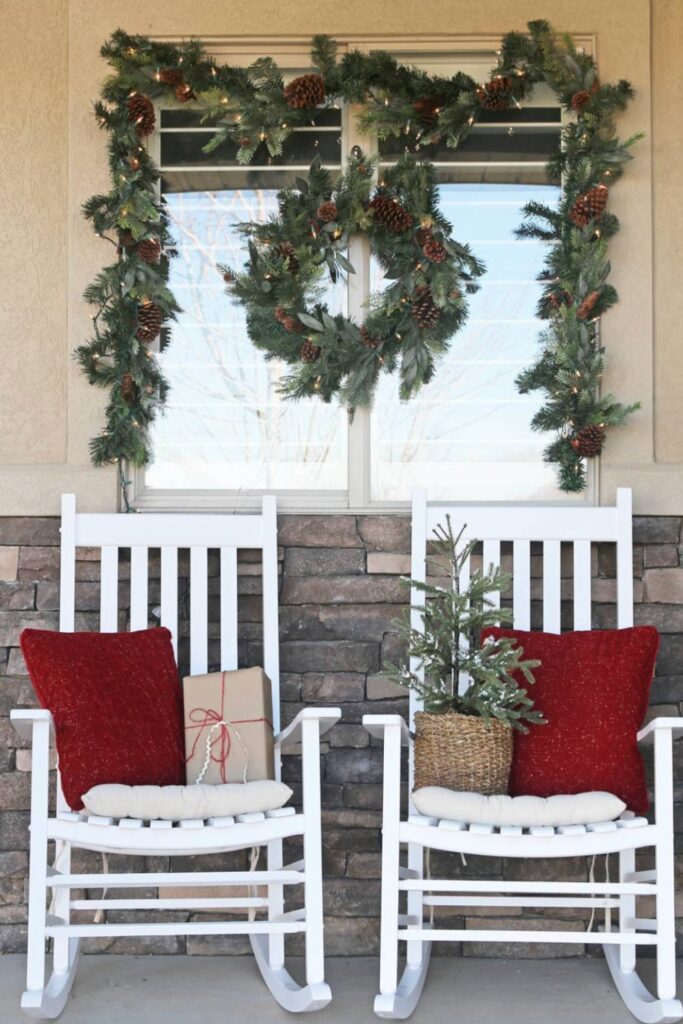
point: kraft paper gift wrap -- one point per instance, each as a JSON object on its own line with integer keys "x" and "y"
{"x": 233, "y": 710}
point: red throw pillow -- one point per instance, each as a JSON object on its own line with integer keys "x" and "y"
{"x": 116, "y": 703}
{"x": 592, "y": 688}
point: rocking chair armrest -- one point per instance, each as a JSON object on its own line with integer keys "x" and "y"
{"x": 377, "y": 724}
{"x": 673, "y": 723}
{"x": 292, "y": 734}
{"x": 24, "y": 719}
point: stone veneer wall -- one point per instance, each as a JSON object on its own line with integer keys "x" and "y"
{"x": 340, "y": 590}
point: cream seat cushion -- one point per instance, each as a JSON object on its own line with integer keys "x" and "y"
{"x": 525, "y": 811}
{"x": 178, "y": 803}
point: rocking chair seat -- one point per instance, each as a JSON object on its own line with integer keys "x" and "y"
{"x": 180, "y": 803}
{"x": 520, "y": 811}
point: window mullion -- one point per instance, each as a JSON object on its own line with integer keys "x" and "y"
{"x": 358, "y": 291}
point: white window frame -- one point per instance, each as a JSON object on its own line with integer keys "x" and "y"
{"x": 480, "y": 52}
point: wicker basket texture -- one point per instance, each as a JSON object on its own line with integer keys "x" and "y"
{"x": 462, "y": 752}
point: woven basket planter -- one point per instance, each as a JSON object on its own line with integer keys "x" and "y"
{"x": 462, "y": 752}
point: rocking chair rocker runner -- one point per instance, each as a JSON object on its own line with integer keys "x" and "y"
{"x": 620, "y": 938}
{"x": 68, "y": 829}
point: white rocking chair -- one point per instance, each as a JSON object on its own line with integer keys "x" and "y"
{"x": 397, "y": 1000}
{"x": 68, "y": 829}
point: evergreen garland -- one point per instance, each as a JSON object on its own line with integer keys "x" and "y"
{"x": 430, "y": 273}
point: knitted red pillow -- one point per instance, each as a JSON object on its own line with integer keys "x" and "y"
{"x": 116, "y": 703}
{"x": 592, "y": 688}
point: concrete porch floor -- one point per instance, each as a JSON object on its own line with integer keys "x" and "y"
{"x": 227, "y": 990}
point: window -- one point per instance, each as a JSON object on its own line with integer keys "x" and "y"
{"x": 226, "y": 434}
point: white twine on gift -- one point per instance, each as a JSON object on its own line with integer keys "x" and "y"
{"x": 207, "y": 759}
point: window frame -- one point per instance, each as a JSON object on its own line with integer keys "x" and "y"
{"x": 478, "y": 51}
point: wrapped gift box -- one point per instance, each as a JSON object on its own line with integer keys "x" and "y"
{"x": 233, "y": 710}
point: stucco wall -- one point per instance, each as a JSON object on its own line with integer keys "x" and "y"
{"x": 54, "y": 159}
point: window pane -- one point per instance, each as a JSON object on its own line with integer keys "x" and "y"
{"x": 225, "y": 426}
{"x": 467, "y": 435}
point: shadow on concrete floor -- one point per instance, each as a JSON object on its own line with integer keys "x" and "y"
{"x": 227, "y": 990}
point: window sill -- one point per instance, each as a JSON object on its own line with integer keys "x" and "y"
{"x": 306, "y": 504}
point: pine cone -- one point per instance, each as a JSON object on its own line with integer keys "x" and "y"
{"x": 589, "y": 441}
{"x": 150, "y": 319}
{"x": 289, "y": 322}
{"x": 228, "y": 276}
{"x": 126, "y": 241}
{"x": 434, "y": 251}
{"x": 134, "y": 162}
{"x": 496, "y": 94}
{"x": 306, "y": 91}
{"x": 560, "y": 298}
{"x": 367, "y": 340}
{"x": 390, "y": 215}
{"x": 149, "y": 250}
{"x": 580, "y": 99}
{"x": 129, "y": 389}
{"x": 588, "y": 305}
{"x": 293, "y": 325}
{"x": 288, "y": 253}
{"x": 428, "y": 109}
{"x": 184, "y": 93}
{"x": 589, "y": 206}
{"x": 170, "y": 76}
{"x": 309, "y": 352}
{"x": 327, "y": 212}
{"x": 141, "y": 111}
{"x": 423, "y": 308}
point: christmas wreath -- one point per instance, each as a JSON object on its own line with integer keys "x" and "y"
{"x": 411, "y": 322}
{"x": 408, "y": 324}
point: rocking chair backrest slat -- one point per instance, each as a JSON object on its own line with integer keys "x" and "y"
{"x": 491, "y": 557}
{"x": 112, "y": 533}
{"x": 67, "y": 569}
{"x": 109, "y": 589}
{"x": 552, "y": 582}
{"x": 521, "y": 584}
{"x": 199, "y": 610}
{"x": 464, "y": 582}
{"x": 582, "y": 584}
{"x": 139, "y": 587}
{"x": 169, "y": 592}
{"x": 550, "y": 527}
{"x": 229, "y": 606}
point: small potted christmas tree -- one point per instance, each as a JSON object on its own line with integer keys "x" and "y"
{"x": 463, "y": 738}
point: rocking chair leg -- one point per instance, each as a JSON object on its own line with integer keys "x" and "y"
{"x": 316, "y": 993}
{"x": 276, "y": 943}
{"x": 664, "y": 852}
{"x": 627, "y": 910}
{"x": 32, "y": 998}
{"x": 396, "y": 1001}
{"x": 62, "y": 901}
{"x": 313, "y": 868}
{"x": 37, "y": 896}
{"x": 663, "y": 1008}
{"x": 415, "y": 902}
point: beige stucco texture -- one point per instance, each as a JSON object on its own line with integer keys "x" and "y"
{"x": 54, "y": 157}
